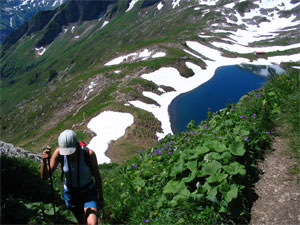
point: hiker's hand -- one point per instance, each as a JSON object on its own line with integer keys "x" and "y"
{"x": 46, "y": 152}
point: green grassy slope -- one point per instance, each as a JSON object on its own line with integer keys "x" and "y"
{"x": 204, "y": 175}
{"x": 35, "y": 88}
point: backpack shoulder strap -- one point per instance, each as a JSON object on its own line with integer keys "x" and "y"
{"x": 61, "y": 161}
{"x": 86, "y": 155}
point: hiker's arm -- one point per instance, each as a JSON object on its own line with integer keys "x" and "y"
{"x": 96, "y": 173}
{"x": 53, "y": 163}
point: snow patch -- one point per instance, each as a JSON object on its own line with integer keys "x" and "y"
{"x": 105, "y": 23}
{"x": 91, "y": 89}
{"x": 131, "y": 5}
{"x": 11, "y": 22}
{"x": 170, "y": 76}
{"x": 175, "y": 3}
{"x": 159, "y": 6}
{"x": 208, "y": 2}
{"x": 108, "y": 126}
{"x": 40, "y": 50}
{"x": 144, "y": 55}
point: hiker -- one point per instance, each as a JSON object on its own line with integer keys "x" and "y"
{"x": 86, "y": 200}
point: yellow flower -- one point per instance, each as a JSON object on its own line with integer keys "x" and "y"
{"x": 139, "y": 189}
{"x": 105, "y": 183}
{"x": 150, "y": 161}
{"x": 155, "y": 213}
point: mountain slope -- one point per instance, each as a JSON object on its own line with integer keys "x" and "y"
{"x": 45, "y": 79}
{"x": 15, "y": 12}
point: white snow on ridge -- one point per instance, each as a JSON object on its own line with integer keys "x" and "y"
{"x": 11, "y": 22}
{"x": 131, "y": 5}
{"x": 25, "y": 2}
{"x": 282, "y": 5}
{"x": 160, "y": 6}
{"x": 91, "y": 89}
{"x": 175, "y": 3}
{"x": 145, "y": 54}
{"x": 41, "y": 50}
{"x": 208, "y": 2}
{"x": 243, "y": 49}
{"x": 230, "y": 5}
{"x": 108, "y": 126}
{"x": 105, "y": 23}
{"x": 169, "y": 76}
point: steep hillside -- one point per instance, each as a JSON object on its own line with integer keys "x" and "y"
{"x": 49, "y": 64}
{"x": 15, "y": 12}
{"x": 203, "y": 176}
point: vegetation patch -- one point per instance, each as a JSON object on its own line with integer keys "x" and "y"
{"x": 205, "y": 175}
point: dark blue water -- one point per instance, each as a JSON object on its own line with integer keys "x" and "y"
{"x": 227, "y": 86}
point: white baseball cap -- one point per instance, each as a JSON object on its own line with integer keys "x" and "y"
{"x": 67, "y": 141}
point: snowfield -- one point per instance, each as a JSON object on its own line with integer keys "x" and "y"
{"x": 108, "y": 126}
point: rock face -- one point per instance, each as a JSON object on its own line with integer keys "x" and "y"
{"x": 12, "y": 151}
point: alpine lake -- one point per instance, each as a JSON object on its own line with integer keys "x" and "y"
{"x": 227, "y": 86}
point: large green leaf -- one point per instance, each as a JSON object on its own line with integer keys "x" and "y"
{"x": 221, "y": 148}
{"x": 199, "y": 151}
{"x": 217, "y": 177}
{"x": 192, "y": 166}
{"x": 237, "y": 148}
{"x": 183, "y": 195}
{"x": 232, "y": 193}
{"x": 177, "y": 168}
{"x": 226, "y": 157}
{"x": 235, "y": 168}
{"x": 238, "y": 168}
{"x": 210, "y": 168}
{"x": 174, "y": 187}
{"x": 212, "y": 156}
{"x": 212, "y": 144}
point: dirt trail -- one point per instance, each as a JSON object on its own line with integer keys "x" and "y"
{"x": 278, "y": 189}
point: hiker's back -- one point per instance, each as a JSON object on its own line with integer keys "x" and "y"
{"x": 84, "y": 172}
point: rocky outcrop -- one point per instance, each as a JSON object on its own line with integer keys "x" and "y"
{"x": 12, "y": 151}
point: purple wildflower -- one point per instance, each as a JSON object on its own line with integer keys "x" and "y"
{"x": 146, "y": 221}
{"x": 134, "y": 165}
{"x": 246, "y": 138}
{"x": 250, "y": 105}
{"x": 267, "y": 132}
{"x": 241, "y": 116}
{"x": 205, "y": 126}
{"x": 258, "y": 95}
{"x": 254, "y": 115}
{"x": 171, "y": 142}
{"x": 169, "y": 153}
